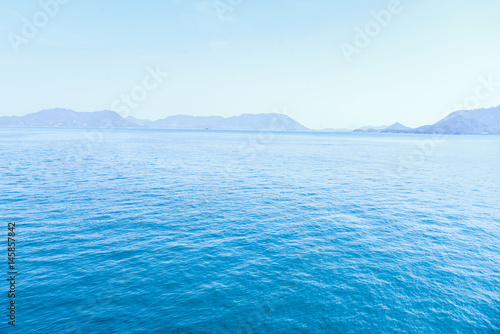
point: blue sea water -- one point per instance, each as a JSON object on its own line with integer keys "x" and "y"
{"x": 155, "y": 231}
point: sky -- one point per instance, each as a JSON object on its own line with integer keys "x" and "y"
{"x": 325, "y": 63}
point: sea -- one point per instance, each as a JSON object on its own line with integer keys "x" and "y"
{"x": 170, "y": 231}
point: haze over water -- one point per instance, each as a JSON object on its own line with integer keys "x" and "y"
{"x": 156, "y": 231}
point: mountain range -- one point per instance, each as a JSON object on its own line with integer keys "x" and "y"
{"x": 107, "y": 118}
{"x": 462, "y": 122}
{"x": 247, "y": 122}
{"x": 67, "y": 118}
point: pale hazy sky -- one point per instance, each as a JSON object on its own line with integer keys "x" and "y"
{"x": 228, "y": 57}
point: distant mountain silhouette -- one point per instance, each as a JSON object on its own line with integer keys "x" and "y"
{"x": 138, "y": 121}
{"x": 277, "y": 122}
{"x": 107, "y": 118}
{"x": 466, "y": 122}
{"x": 397, "y": 128}
{"x": 463, "y": 122}
{"x": 471, "y": 122}
{"x": 371, "y": 129}
{"x": 68, "y": 118}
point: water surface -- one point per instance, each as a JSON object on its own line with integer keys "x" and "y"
{"x": 155, "y": 231}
